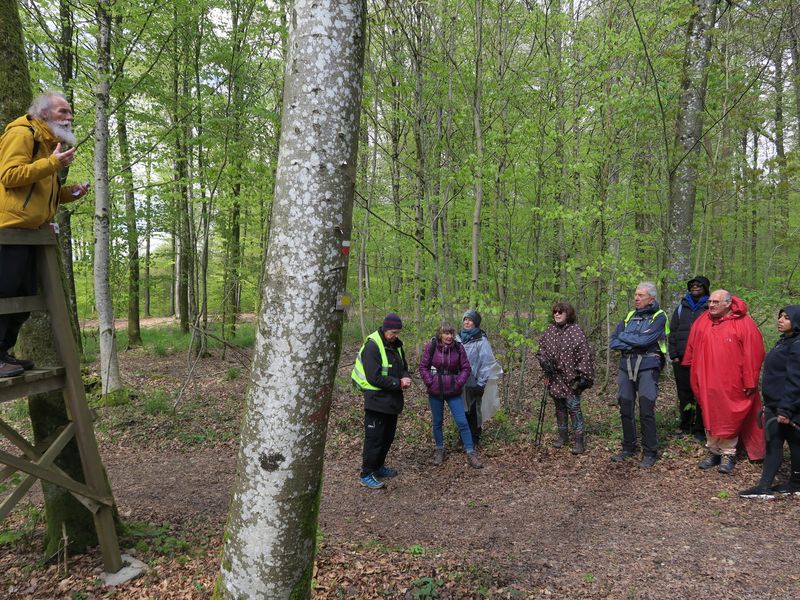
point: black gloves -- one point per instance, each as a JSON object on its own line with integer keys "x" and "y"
{"x": 580, "y": 383}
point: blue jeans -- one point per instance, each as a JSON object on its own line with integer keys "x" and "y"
{"x": 456, "y": 405}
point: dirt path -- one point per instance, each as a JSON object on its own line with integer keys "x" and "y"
{"x": 539, "y": 522}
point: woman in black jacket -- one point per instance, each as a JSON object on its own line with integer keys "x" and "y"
{"x": 780, "y": 387}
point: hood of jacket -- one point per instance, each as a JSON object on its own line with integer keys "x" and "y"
{"x": 793, "y": 312}
{"x": 738, "y": 310}
{"x": 41, "y": 130}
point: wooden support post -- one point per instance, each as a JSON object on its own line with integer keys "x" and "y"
{"x": 75, "y": 398}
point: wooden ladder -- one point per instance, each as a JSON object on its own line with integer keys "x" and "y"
{"x": 35, "y": 462}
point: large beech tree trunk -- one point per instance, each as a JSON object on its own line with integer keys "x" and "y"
{"x": 270, "y": 540}
{"x": 688, "y": 129}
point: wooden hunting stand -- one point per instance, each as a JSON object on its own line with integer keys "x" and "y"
{"x": 37, "y": 461}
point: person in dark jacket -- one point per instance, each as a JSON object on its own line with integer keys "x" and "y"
{"x": 444, "y": 368}
{"x": 641, "y": 339}
{"x": 780, "y": 387}
{"x": 691, "y": 306}
{"x": 381, "y": 372}
{"x": 568, "y": 364}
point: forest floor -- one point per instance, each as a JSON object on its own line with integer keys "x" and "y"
{"x": 534, "y": 523}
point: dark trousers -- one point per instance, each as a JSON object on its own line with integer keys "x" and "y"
{"x": 379, "y": 430}
{"x": 691, "y": 419}
{"x": 779, "y": 433}
{"x": 646, "y": 387}
{"x": 17, "y": 278}
{"x": 472, "y": 399}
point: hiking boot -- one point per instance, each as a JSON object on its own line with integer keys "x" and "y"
{"x": 385, "y": 472}
{"x": 563, "y": 429}
{"x": 700, "y": 438}
{"x": 472, "y": 461}
{"x": 9, "y": 370}
{"x": 790, "y": 488}
{"x": 757, "y": 492}
{"x": 727, "y": 464}
{"x": 438, "y": 457}
{"x": 648, "y": 460}
{"x": 370, "y": 482}
{"x": 712, "y": 460}
{"x": 10, "y": 359}
{"x": 578, "y": 447}
{"x": 622, "y": 455}
{"x": 563, "y": 438}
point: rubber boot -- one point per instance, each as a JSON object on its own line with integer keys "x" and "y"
{"x": 563, "y": 430}
{"x": 578, "y": 447}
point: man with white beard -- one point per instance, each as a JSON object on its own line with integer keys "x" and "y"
{"x": 31, "y": 157}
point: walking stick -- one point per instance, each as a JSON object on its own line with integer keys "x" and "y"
{"x": 537, "y": 440}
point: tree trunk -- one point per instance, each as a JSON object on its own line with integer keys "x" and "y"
{"x": 272, "y": 525}
{"x": 689, "y": 126}
{"x": 66, "y": 68}
{"x": 478, "y": 131}
{"x": 109, "y": 364}
{"x": 132, "y": 236}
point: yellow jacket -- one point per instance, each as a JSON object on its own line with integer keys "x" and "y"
{"x": 30, "y": 190}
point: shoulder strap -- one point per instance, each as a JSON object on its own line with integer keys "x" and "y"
{"x": 36, "y": 142}
{"x": 432, "y": 350}
{"x": 680, "y": 309}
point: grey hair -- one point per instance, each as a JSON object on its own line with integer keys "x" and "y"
{"x": 648, "y": 287}
{"x": 728, "y": 296}
{"x": 42, "y": 103}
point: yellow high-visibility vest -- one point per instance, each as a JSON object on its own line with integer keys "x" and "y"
{"x": 662, "y": 343}
{"x": 357, "y": 374}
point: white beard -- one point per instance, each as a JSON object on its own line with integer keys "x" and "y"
{"x": 63, "y": 132}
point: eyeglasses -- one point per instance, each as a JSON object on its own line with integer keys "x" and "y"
{"x": 558, "y": 312}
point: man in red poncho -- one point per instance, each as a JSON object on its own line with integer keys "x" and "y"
{"x": 725, "y": 351}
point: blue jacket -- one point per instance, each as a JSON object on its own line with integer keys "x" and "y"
{"x": 641, "y": 335}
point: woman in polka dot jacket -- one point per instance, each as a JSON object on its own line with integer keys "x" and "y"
{"x": 568, "y": 364}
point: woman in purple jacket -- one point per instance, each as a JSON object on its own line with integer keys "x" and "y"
{"x": 444, "y": 368}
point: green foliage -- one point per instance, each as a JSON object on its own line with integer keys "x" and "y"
{"x": 416, "y": 550}
{"x": 427, "y": 587}
{"x": 149, "y": 538}
{"x": 157, "y": 402}
{"x": 723, "y": 494}
{"x": 231, "y": 374}
{"x": 22, "y": 534}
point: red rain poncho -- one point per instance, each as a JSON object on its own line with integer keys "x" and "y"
{"x": 725, "y": 357}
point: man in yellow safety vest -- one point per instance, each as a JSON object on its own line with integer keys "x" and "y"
{"x": 641, "y": 339}
{"x": 381, "y": 373}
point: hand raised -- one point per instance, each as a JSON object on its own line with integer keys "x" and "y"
{"x": 64, "y": 158}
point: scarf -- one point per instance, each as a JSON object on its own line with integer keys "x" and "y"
{"x": 467, "y": 335}
{"x": 695, "y": 305}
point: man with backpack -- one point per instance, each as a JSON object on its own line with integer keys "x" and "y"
{"x": 381, "y": 373}
{"x": 641, "y": 339}
{"x": 31, "y": 158}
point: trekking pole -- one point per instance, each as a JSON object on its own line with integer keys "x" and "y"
{"x": 537, "y": 440}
